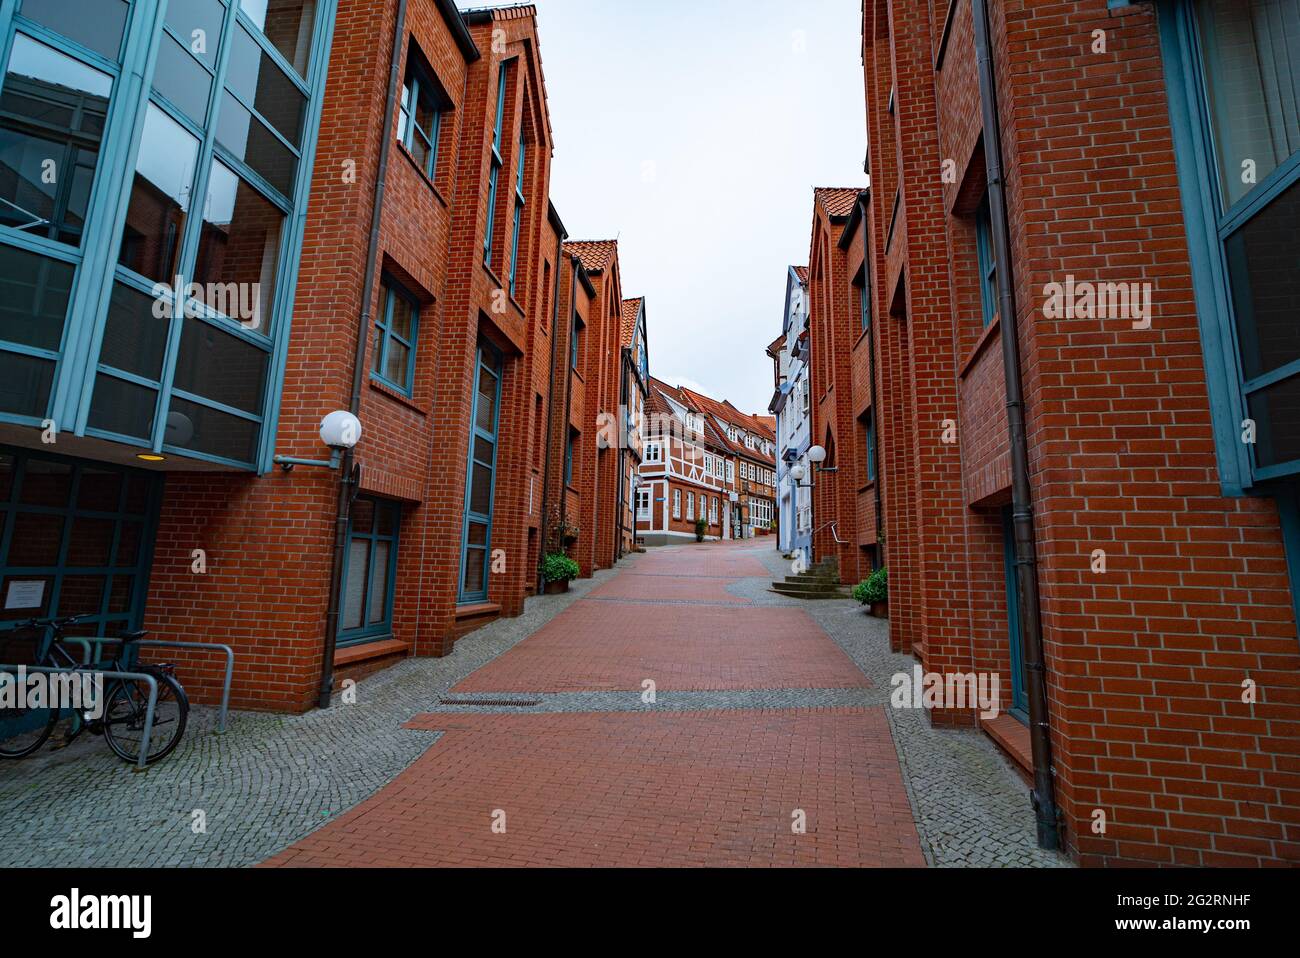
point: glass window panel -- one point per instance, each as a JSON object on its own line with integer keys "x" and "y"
{"x": 487, "y": 400}
{"x": 379, "y": 584}
{"x": 1262, "y": 263}
{"x": 213, "y": 432}
{"x": 121, "y": 591}
{"x": 122, "y": 407}
{"x": 160, "y": 198}
{"x": 385, "y": 525}
{"x": 95, "y": 24}
{"x": 220, "y": 367}
{"x": 82, "y": 594}
{"x": 354, "y": 590}
{"x": 99, "y": 490}
{"x": 480, "y": 496}
{"x": 483, "y": 450}
{"x": 377, "y": 351}
{"x": 91, "y": 543}
{"x": 198, "y": 24}
{"x": 1276, "y": 411}
{"x": 36, "y": 540}
{"x": 134, "y": 339}
{"x": 46, "y": 483}
{"x": 402, "y": 319}
{"x": 128, "y": 544}
{"x": 288, "y": 24}
{"x": 25, "y": 384}
{"x": 179, "y": 78}
{"x": 239, "y": 250}
{"x": 6, "y": 477}
{"x": 1251, "y": 52}
{"x": 475, "y": 563}
{"x": 34, "y": 294}
{"x": 398, "y": 365}
{"x": 137, "y": 493}
{"x": 250, "y": 141}
{"x": 52, "y": 113}
{"x": 363, "y": 516}
{"x": 257, "y": 80}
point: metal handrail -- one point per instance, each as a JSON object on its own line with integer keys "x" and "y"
{"x": 835, "y": 532}
{"x": 164, "y": 643}
{"x": 140, "y": 764}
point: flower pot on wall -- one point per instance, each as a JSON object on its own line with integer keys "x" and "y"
{"x": 880, "y": 610}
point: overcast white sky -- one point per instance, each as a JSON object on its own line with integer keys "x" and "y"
{"x": 695, "y": 133}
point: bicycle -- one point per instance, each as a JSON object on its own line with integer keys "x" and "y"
{"x": 121, "y": 721}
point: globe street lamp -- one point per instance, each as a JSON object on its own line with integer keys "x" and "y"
{"x": 340, "y": 431}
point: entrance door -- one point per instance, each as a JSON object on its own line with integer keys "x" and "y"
{"x": 480, "y": 489}
{"x": 1019, "y": 684}
{"x": 76, "y": 539}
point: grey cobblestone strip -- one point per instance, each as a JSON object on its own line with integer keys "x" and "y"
{"x": 268, "y": 782}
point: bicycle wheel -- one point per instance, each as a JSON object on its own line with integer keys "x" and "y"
{"x": 24, "y": 730}
{"x": 124, "y": 715}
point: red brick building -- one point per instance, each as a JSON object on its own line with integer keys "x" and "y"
{"x": 1157, "y": 358}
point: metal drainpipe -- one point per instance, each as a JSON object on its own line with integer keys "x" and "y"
{"x": 348, "y": 480}
{"x": 1031, "y": 625}
{"x": 575, "y": 264}
{"x": 561, "y": 236}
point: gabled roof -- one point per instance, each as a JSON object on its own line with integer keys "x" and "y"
{"x": 774, "y": 348}
{"x": 596, "y": 255}
{"x": 476, "y": 16}
{"x": 837, "y": 201}
{"x": 631, "y": 313}
{"x": 802, "y": 273}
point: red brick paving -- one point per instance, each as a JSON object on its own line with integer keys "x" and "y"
{"x": 615, "y": 646}
{"x": 636, "y": 789}
{"x": 661, "y": 588}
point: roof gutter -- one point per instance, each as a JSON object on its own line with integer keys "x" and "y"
{"x": 1031, "y": 624}
{"x": 459, "y": 31}
{"x": 349, "y": 484}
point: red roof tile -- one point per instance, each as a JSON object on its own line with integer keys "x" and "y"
{"x": 631, "y": 310}
{"x": 596, "y": 255}
{"x": 836, "y": 200}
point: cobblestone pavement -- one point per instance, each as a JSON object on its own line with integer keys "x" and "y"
{"x": 764, "y": 708}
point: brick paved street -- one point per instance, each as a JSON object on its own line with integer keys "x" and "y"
{"x": 764, "y": 708}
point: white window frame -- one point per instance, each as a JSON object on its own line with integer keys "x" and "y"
{"x": 690, "y": 507}
{"x": 677, "y": 503}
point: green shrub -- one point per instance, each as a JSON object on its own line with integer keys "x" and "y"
{"x": 701, "y": 527}
{"x": 875, "y": 589}
{"x": 557, "y": 567}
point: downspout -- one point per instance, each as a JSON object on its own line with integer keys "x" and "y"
{"x": 575, "y": 264}
{"x": 1031, "y": 625}
{"x": 349, "y": 481}
{"x": 560, "y": 237}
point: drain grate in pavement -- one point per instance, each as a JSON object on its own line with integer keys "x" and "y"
{"x": 508, "y": 703}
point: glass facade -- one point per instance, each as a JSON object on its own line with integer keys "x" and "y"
{"x": 148, "y": 242}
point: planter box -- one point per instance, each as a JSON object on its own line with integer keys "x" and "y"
{"x": 557, "y": 588}
{"x": 880, "y": 610}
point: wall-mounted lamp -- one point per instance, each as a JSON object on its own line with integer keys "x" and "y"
{"x": 339, "y": 431}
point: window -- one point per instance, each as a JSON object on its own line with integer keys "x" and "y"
{"x": 653, "y": 452}
{"x": 690, "y": 507}
{"x": 519, "y": 220}
{"x": 643, "y": 504}
{"x": 396, "y": 332}
{"x": 804, "y": 392}
{"x": 988, "y": 266}
{"x": 419, "y": 118}
{"x": 713, "y": 511}
{"x": 494, "y": 177}
{"x": 370, "y": 571}
{"x": 731, "y": 471}
{"x": 575, "y": 341}
{"x": 480, "y": 491}
{"x": 864, "y": 298}
{"x": 677, "y": 503}
{"x": 568, "y": 456}
{"x": 870, "y": 438}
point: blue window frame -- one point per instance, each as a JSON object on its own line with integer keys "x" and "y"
{"x": 369, "y": 571}
{"x": 1289, "y": 508}
{"x": 575, "y": 341}
{"x": 494, "y": 177}
{"x": 397, "y": 331}
{"x": 871, "y": 445}
{"x": 78, "y": 533}
{"x": 213, "y": 157}
{"x": 419, "y": 120}
{"x": 988, "y": 265}
{"x": 568, "y": 457}
{"x": 519, "y": 218}
{"x": 1231, "y": 71}
{"x": 864, "y": 299}
{"x": 1019, "y": 684}
{"x": 480, "y": 486}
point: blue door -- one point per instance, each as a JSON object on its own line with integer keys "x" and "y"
{"x": 480, "y": 485}
{"x": 1019, "y": 699}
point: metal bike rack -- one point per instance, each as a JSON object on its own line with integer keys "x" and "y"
{"x": 124, "y": 676}
{"x": 163, "y": 643}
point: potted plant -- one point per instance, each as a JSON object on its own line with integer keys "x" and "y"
{"x": 558, "y": 570}
{"x": 562, "y": 530}
{"x": 874, "y": 592}
{"x": 701, "y": 527}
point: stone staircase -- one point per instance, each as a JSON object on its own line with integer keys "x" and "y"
{"x": 821, "y": 582}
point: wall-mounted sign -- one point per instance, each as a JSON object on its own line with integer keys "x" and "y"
{"x": 25, "y": 595}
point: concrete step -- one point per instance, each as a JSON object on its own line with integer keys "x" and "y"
{"x": 813, "y": 577}
{"x": 809, "y": 591}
